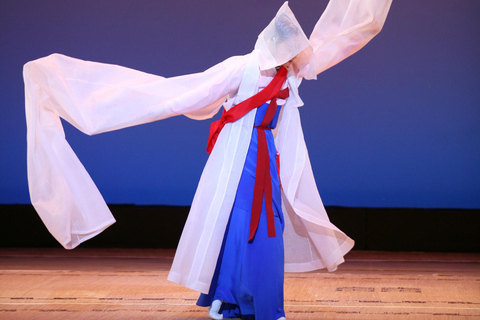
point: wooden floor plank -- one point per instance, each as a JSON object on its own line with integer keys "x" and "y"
{"x": 131, "y": 284}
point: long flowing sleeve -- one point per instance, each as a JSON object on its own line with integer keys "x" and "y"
{"x": 95, "y": 98}
{"x": 344, "y": 28}
{"x": 312, "y": 241}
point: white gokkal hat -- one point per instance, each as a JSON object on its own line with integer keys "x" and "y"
{"x": 284, "y": 40}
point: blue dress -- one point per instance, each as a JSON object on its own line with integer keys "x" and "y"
{"x": 249, "y": 275}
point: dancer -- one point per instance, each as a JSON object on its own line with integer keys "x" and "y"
{"x": 253, "y": 217}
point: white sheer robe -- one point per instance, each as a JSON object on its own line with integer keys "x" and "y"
{"x": 96, "y": 97}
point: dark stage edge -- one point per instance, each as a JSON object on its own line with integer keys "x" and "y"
{"x": 384, "y": 229}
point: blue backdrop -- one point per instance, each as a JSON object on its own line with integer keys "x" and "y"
{"x": 395, "y": 125}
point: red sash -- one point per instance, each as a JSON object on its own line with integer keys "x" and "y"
{"x": 263, "y": 184}
{"x": 270, "y": 92}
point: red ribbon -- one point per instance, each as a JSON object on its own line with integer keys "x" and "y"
{"x": 270, "y": 92}
{"x": 263, "y": 182}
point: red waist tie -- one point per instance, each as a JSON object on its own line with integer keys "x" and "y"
{"x": 270, "y": 92}
{"x": 263, "y": 183}
{"x": 263, "y": 180}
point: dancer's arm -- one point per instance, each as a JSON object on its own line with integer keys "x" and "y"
{"x": 344, "y": 28}
{"x": 95, "y": 98}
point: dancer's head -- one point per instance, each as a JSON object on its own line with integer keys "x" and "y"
{"x": 282, "y": 41}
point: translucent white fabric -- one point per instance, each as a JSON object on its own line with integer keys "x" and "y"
{"x": 97, "y": 97}
{"x": 283, "y": 40}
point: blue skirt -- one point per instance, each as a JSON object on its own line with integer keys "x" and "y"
{"x": 249, "y": 275}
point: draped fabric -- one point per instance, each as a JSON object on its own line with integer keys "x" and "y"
{"x": 96, "y": 97}
{"x": 249, "y": 274}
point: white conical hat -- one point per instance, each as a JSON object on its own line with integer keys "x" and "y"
{"x": 284, "y": 40}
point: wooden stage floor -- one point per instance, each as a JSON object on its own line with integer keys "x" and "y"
{"x": 131, "y": 284}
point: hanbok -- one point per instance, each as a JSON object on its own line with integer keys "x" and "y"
{"x": 96, "y": 97}
{"x": 249, "y": 274}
